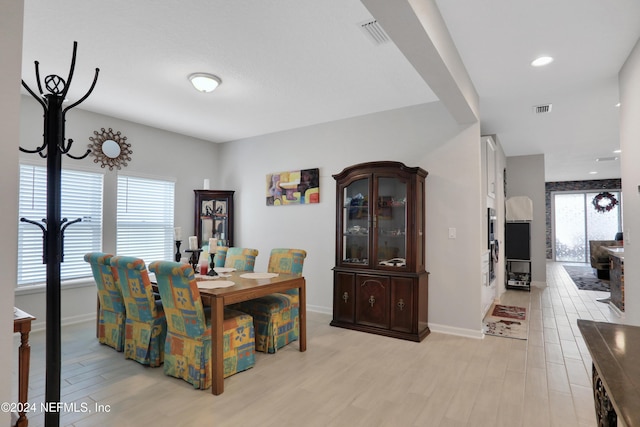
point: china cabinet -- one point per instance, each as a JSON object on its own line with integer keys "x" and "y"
{"x": 380, "y": 281}
{"x": 214, "y": 217}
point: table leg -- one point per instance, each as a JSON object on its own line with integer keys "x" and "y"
{"x": 24, "y": 355}
{"x": 217, "y": 351}
{"x": 302, "y": 313}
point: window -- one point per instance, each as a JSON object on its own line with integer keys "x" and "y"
{"x": 145, "y": 218}
{"x": 81, "y": 197}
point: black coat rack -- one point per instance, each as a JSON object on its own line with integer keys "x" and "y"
{"x": 53, "y": 226}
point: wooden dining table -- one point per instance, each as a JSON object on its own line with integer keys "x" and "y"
{"x": 245, "y": 289}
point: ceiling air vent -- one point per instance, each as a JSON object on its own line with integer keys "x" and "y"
{"x": 375, "y": 32}
{"x": 606, "y": 159}
{"x": 542, "y": 109}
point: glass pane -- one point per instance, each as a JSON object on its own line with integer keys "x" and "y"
{"x": 214, "y": 222}
{"x": 391, "y": 222}
{"x": 570, "y": 227}
{"x": 602, "y": 225}
{"x": 355, "y": 244}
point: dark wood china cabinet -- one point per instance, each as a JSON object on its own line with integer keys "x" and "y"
{"x": 380, "y": 282}
{"x": 214, "y": 217}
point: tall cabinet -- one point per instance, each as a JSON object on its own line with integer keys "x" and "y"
{"x": 380, "y": 282}
{"x": 214, "y": 216}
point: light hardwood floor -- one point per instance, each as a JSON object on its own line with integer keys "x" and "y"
{"x": 349, "y": 378}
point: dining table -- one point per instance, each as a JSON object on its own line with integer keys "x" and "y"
{"x": 232, "y": 287}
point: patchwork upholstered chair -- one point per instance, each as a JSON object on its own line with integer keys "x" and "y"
{"x": 220, "y": 257}
{"x": 187, "y": 351}
{"x": 146, "y": 325}
{"x": 275, "y": 316}
{"x": 242, "y": 259}
{"x": 112, "y": 314}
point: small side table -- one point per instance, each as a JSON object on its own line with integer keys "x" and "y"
{"x": 22, "y": 323}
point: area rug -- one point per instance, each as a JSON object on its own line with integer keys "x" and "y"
{"x": 506, "y": 321}
{"x": 585, "y": 279}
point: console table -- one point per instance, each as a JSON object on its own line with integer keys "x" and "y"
{"x": 614, "y": 350}
{"x": 22, "y": 323}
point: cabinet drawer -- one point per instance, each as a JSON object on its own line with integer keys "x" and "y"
{"x": 344, "y": 297}
{"x": 372, "y": 300}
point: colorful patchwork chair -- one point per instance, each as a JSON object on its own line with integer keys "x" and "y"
{"x": 242, "y": 259}
{"x": 146, "y": 325}
{"x": 112, "y": 314}
{"x": 275, "y": 316}
{"x": 220, "y": 257}
{"x": 187, "y": 351}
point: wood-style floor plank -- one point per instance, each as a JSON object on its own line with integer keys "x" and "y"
{"x": 350, "y": 378}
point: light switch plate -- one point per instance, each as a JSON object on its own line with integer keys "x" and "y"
{"x": 452, "y": 233}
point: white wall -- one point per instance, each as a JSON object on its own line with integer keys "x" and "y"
{"x": 156, "y": 154}
{"x": 525, "y": 177}
{"x": 629, "y": 80}
{"x": 423, "y": 135}
{"x": 11, "y": 13}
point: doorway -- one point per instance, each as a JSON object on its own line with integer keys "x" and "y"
{"x": 583, "y": 216}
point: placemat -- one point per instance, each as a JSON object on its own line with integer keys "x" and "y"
{"x": 259, "y": 275}
{"x": 212, "y": 284}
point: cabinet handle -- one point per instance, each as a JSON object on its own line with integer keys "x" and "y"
{"x": 401, "y": 304}
{"x": 345, "y": 297}
{"x": 372, "y": 300}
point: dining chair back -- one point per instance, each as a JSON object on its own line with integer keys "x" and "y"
{"x": 112, "y": 314}
{"x": 276, "y": 316}
{"x": 242, "y": 259}
{"x": 187, "y": 352}
{"x": 146, "y": 325}
{"x": 220, "y": 257}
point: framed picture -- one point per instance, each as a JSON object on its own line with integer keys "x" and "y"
{"x": 293, "y": 187}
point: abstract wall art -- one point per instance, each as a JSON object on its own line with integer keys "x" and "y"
{"x": 295, "y": 187}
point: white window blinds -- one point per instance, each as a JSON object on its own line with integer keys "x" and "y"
{"x": 81, "y": 197}
{"x": 145, "y": 218}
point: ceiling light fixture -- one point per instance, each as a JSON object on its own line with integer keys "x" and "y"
{"x": 204, "y": 82}
{"x": 593, "y": 173}
{"x": 618, "y": 151}
{"x": 542, "y": 61}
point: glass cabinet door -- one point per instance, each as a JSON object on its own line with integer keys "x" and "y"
{"x": 214, "y": 217}
{"x": 390, "y": 223}
{"x": 356, "y": 222}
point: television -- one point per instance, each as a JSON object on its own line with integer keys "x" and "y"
{"x": 517, "y": 240}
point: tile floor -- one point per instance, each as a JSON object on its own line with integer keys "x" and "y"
{"x": 349, "y": 378}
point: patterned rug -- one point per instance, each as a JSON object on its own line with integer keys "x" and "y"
{"x": 585, "y": 278}
{"x": 506, "y": 321}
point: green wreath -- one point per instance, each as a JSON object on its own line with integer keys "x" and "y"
{"x": 610, "y": 202}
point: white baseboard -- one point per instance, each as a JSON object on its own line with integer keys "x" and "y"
{"x": 539, "y": 284}
{"x": 452, "y": 330}
{"x": 41, "y": 326}
{"x": 319, "y": 309}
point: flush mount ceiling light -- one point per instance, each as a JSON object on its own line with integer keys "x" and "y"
{"x": 542, "y": 61}
{"x": 204, "y": 82}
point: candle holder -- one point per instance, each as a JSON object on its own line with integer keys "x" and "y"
{"x": 178, "y": 254}
{"x": 211, "y": 272}
{"x": 194, "y": 258}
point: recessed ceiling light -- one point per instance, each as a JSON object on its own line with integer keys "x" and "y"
{"x": 204, "y": 82}
{"x": 593, "y": 173}
{"x": 618, "y": 104}
{"x": 618, "y": 151}
{"x": 542, "y": 61}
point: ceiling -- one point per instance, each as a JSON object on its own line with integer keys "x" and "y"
{"x": 294, "y": 63}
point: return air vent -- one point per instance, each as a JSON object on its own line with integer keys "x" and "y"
{"x": 542, "y": 109}
{"x": 374, "y": 32}
{"x": 606, "y": 159}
